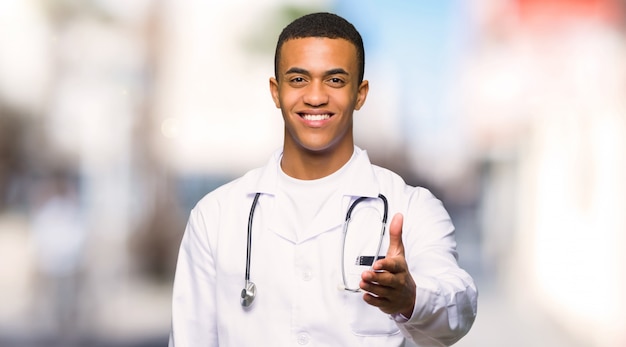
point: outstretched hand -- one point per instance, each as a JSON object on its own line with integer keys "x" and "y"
{"x": 389, "y": 284}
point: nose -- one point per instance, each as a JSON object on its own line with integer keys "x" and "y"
{"x": 315, "y": 95}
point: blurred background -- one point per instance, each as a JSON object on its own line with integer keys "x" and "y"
{"x": 117, "y": 116}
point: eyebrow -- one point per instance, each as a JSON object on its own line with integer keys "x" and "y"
{"x": 297, "y": 70}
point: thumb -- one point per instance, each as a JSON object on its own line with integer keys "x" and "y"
{"x": 396, "y": 247}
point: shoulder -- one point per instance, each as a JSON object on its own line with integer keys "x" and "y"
{"x": 387, "y": 176}
{"x": 411, "y": 196}
{"x": 230, "y": 196}
{"x": 238, "y": 187}
{"x": 392, "y": 183}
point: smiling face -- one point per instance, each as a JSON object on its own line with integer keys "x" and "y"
{"x": 317, "y": 90}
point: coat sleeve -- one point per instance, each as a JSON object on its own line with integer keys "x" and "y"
{"x": 446, "y": 296}
{"x": 193, "y": 299}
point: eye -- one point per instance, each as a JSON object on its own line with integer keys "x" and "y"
{"x": 297, "y": 80}
{"x": 336, "y": 81}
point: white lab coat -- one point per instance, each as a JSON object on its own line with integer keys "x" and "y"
{"x": 298, "y": 301}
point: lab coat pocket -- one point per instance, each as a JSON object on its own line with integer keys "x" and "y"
{"x": 367, "y": 320}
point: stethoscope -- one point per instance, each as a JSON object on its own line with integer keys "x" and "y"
{"x": 248, "y": 293}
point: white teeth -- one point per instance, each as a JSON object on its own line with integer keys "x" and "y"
{"x": 314, "y": 117}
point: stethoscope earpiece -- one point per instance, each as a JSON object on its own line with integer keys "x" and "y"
{"x": 248, "y": 294}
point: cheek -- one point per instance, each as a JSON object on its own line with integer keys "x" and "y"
{"x": 289, "y": 100}
{"x": 346, "y": 101}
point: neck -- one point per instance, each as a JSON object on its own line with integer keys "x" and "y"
{"x": 310, "y": 165}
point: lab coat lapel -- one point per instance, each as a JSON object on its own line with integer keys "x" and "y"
{"x": 278, "y": 223}
{"x": 329, "y": 218}
{"x": 266, "y": 183}
{"x": 360, "y": 181}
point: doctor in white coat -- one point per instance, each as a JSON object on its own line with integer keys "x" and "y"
{"x": 266, "y": 260}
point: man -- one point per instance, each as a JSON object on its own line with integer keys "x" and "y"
{"x": 294, "y": 208}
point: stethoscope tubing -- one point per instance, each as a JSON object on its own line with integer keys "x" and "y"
{"x": 249, "y": 292}
{"x": 345, "y": 234}
{"x": 249, "y": 248}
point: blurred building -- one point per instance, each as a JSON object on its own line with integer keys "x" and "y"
{"x": 546, "y": 100}
{"x": 117, "y": 116}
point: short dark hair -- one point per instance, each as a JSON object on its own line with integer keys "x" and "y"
{"x": 322, "y": 24}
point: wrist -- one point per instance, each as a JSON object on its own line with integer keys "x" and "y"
{"x": 407, "y": 313}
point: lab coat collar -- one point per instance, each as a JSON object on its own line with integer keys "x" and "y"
{"x": 267, "y": 180}
{"x": 363, "y": 182}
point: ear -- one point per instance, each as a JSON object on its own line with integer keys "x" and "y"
{"x": 362, "y": 94}
{"x": 274, "y": 91}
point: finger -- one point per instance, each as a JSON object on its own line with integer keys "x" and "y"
{"x": 382, "y": 303}
{"x": 389, "y": 264}
{"x": 377, "y": 289}
{"x": 387, "y": 278}
{"x": 384, "y": 278}
{"x": 396, "y": 247}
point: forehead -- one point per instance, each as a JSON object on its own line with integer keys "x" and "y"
{"x": 318, "y": 53}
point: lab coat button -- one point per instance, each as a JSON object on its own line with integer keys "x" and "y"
{"x": 303, "y": 338}
{"x": 307, "y": 275}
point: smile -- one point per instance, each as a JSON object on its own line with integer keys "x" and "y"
{"x": 315, "y": 117}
